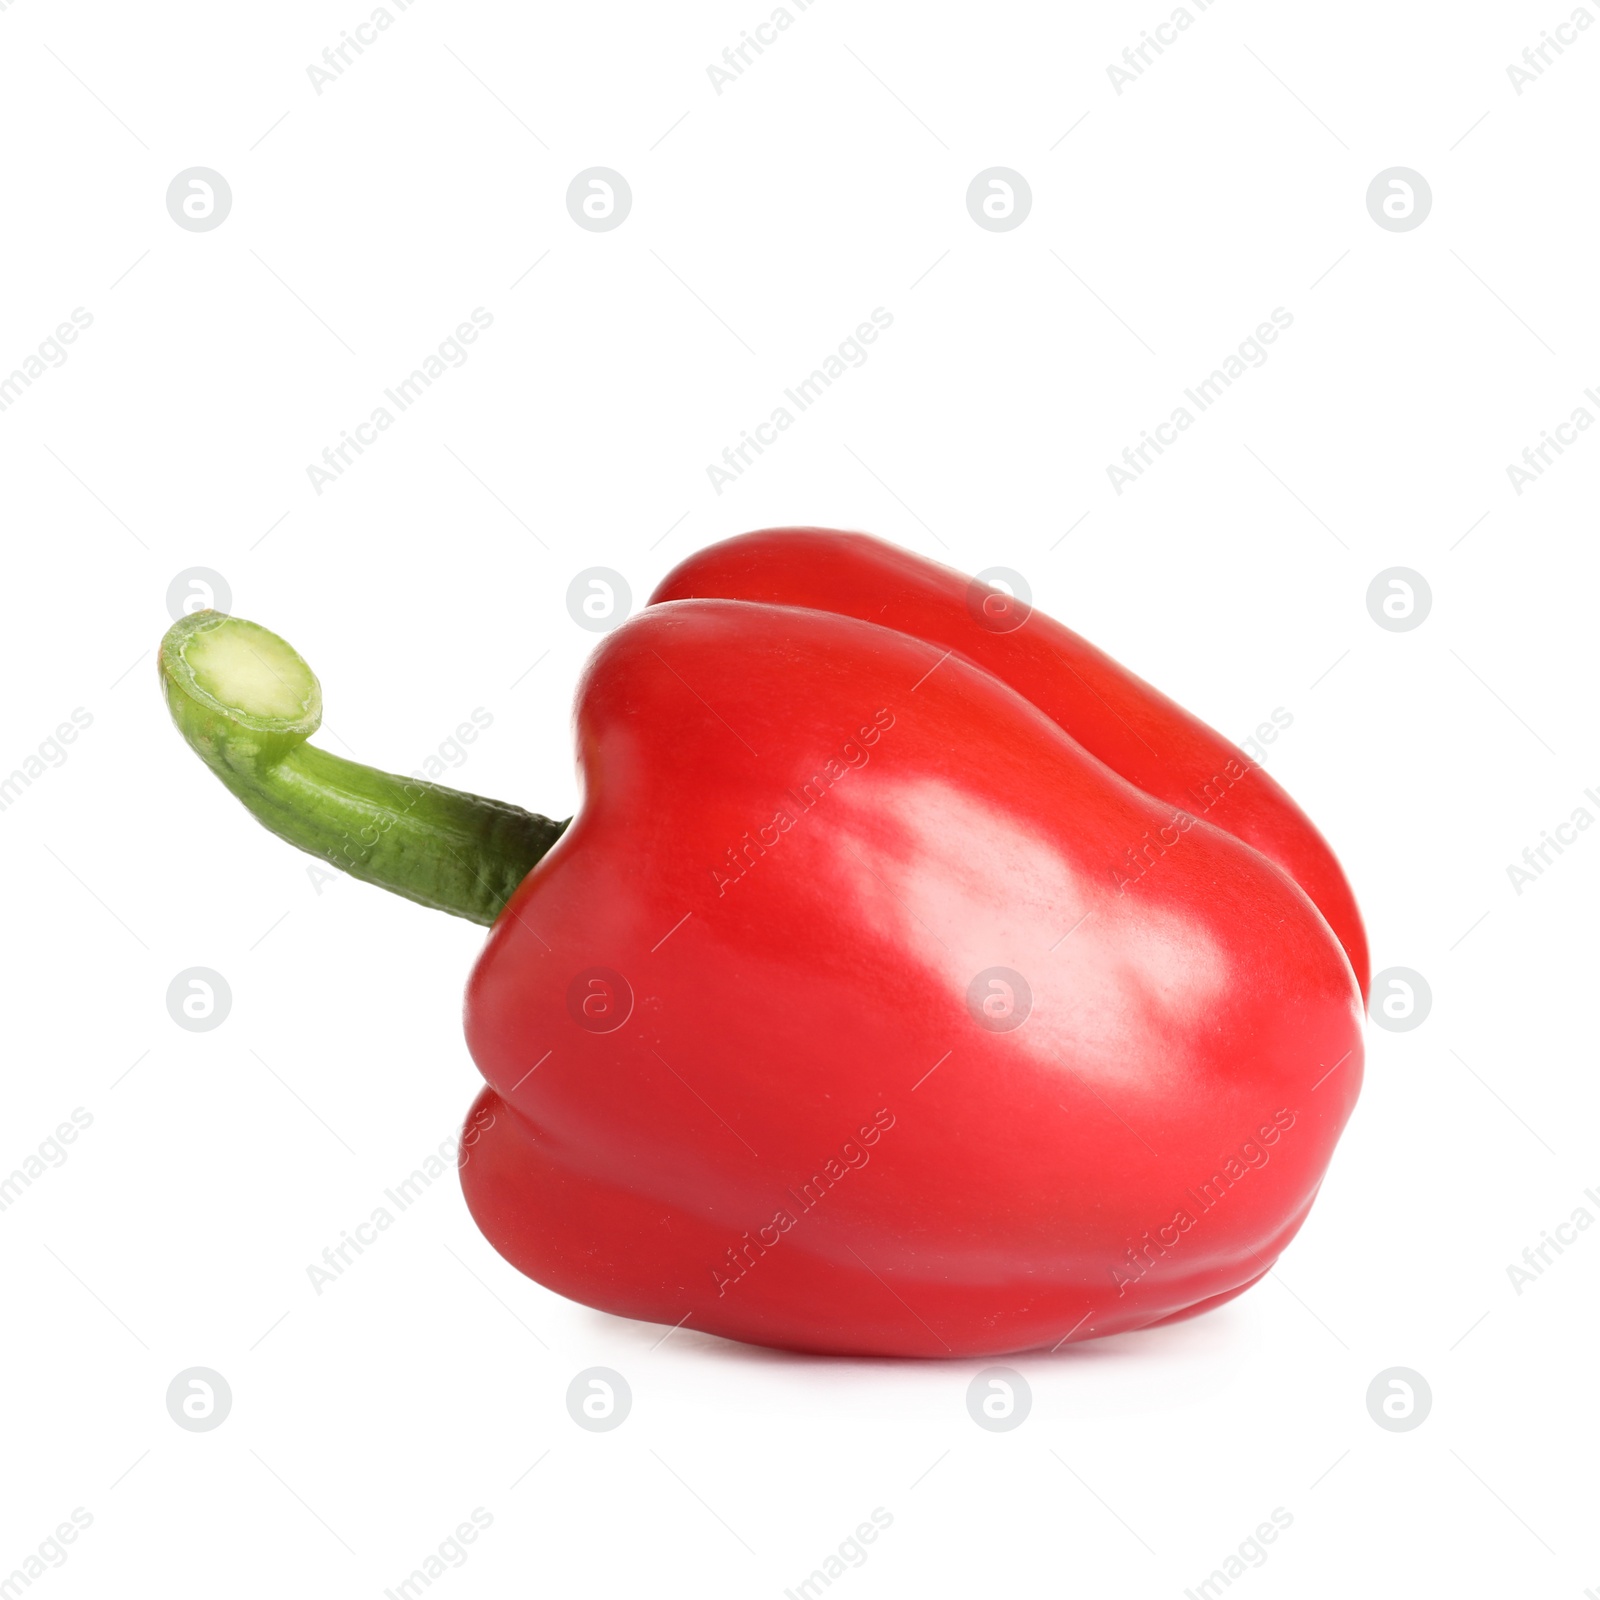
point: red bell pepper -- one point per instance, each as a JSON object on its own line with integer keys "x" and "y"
{"x": 913, "y": 979}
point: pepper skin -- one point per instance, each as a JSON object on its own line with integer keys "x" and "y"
{"x": 1135, "y": 729}
{"x": 912, "y": 980}
{"x": 749, "y": 1064}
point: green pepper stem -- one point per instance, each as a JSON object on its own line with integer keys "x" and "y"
{"x": 246, "y": 702}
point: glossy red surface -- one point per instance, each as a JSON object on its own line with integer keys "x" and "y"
{"x": 1135, "y": 729}
{"x": 744, "y": 1062}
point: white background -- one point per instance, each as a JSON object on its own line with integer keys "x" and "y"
{"x": 767, "y": 221}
